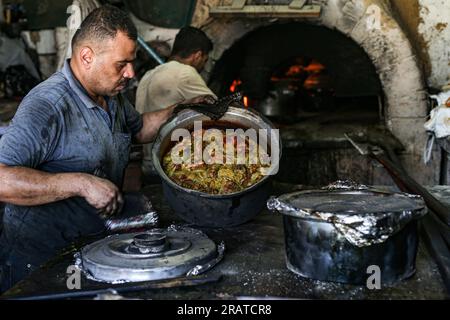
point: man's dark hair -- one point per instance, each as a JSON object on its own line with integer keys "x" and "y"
{"x": 104, "y": 23}
{"x": 190, "y": 40}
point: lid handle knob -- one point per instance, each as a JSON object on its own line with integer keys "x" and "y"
{"x": 153, "y": 241}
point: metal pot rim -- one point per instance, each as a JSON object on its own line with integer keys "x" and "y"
{"x": 186, "y": 114}
{"x": 420, "y": 204}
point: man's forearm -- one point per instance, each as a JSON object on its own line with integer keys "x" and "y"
{"x": 29, "y": 187}
{"x": 151, "y": 123}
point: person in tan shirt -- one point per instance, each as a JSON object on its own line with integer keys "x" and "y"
{"x": 176, "y": 81}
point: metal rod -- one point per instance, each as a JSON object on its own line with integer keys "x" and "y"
{"x": 437, "y": 247}
{"x": 434, "y": 226}
{"x": 443, "y": 177}
{"x": 357, "y": 147}
{"x": 149, "y": 50}
{"x": 180, "y": 282}
{"x": 401, "y": 177}
{"x": 412, "y": 186}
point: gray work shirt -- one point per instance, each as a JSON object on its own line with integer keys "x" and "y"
{"x": 58, "y": 128}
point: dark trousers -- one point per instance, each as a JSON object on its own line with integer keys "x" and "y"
{"x": 13, "y": 269}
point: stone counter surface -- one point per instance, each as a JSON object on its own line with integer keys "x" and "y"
{"x": 253, "y": 266}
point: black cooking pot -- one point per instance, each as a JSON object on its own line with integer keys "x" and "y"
{"x": 340, "y": 235}
{"x": 316, "y": 250}
{"x": 205, "y": 209}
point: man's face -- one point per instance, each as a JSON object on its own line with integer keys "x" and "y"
{"x": 200, "y": 61}
{"x": 112, "y": 66}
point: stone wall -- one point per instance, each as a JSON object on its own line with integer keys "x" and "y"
{"x": 427, "y": 23}
{"x": 374, "y": 26}
{"x": 408, "y": 42}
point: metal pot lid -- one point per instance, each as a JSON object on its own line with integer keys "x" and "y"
{"x": 153, "y": 255}
{"x": 364, "y": 215}
{"x": 351, "y": 202}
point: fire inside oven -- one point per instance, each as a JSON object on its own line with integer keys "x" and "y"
{"x": 288, "y": 71}
{"x": 300, "y": 84}
{"x": 315, "y": 84}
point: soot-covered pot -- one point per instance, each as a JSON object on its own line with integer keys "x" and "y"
{"x": 345, "y": 231}
{"x": 211, "y": 210}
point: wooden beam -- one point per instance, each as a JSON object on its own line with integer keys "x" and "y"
{"x": 297, "y": 4}
{"x": 266, "y": 11}
{"x": 238, "y": 4}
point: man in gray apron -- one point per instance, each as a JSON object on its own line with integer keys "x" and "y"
{"x": 63, "y": 157}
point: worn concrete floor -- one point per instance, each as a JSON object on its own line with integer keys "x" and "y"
{"x": 253, "y": 266}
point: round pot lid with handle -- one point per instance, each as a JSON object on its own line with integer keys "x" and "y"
{"x": 152, "y": 255}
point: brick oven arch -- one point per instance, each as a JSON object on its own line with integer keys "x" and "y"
{"x": 373, "y": 26}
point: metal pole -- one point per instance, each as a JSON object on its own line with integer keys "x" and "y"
{"x": 151, "y": 285}
{"x": 149, "y": 50}
{"x": 443, "y": 178}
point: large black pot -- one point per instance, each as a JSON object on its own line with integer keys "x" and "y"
{"x": 316, "y": 250}
{"x": 219, "y": 211}
{"x": 204, "y": 209}
{"x": 341, "y": 235}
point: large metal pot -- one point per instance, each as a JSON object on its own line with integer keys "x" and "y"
{"x": 209, "y": 210}
{"x": 318, "y": 251}
{"x": 340, "y": 235}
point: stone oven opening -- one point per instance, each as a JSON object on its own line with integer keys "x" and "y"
{"x": 313, "y": 58}
{"x": 316, "y": 85}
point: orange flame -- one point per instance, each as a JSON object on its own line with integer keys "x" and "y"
{"x": 311, "y": 82}
{"x": 294, "y": 70}
{"x": 246, "y": 101}
{"x": 235, "y": 84}
{"x": 314, "y": 67}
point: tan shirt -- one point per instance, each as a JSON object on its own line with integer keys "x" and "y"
{"x": 164, "y": 86}
{"x": 168, "y": 84}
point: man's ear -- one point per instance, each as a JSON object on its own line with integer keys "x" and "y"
{"x": 86, "y": 57}
{"x": 198, "y": 55}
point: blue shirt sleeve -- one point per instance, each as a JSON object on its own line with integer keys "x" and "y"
{"x": 133, "y": 118}
{"x": 32, "y": 136}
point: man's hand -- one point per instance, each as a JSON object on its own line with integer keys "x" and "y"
{"x": 102, "y": 195}
{"x": 29, "y": 187}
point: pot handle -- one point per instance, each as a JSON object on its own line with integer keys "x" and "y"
{"x": 346, "y": 185}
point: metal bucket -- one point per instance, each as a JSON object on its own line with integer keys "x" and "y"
{"x": 204, "y": 209}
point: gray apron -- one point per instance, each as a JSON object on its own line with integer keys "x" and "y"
{"x": 33, "y": 235}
